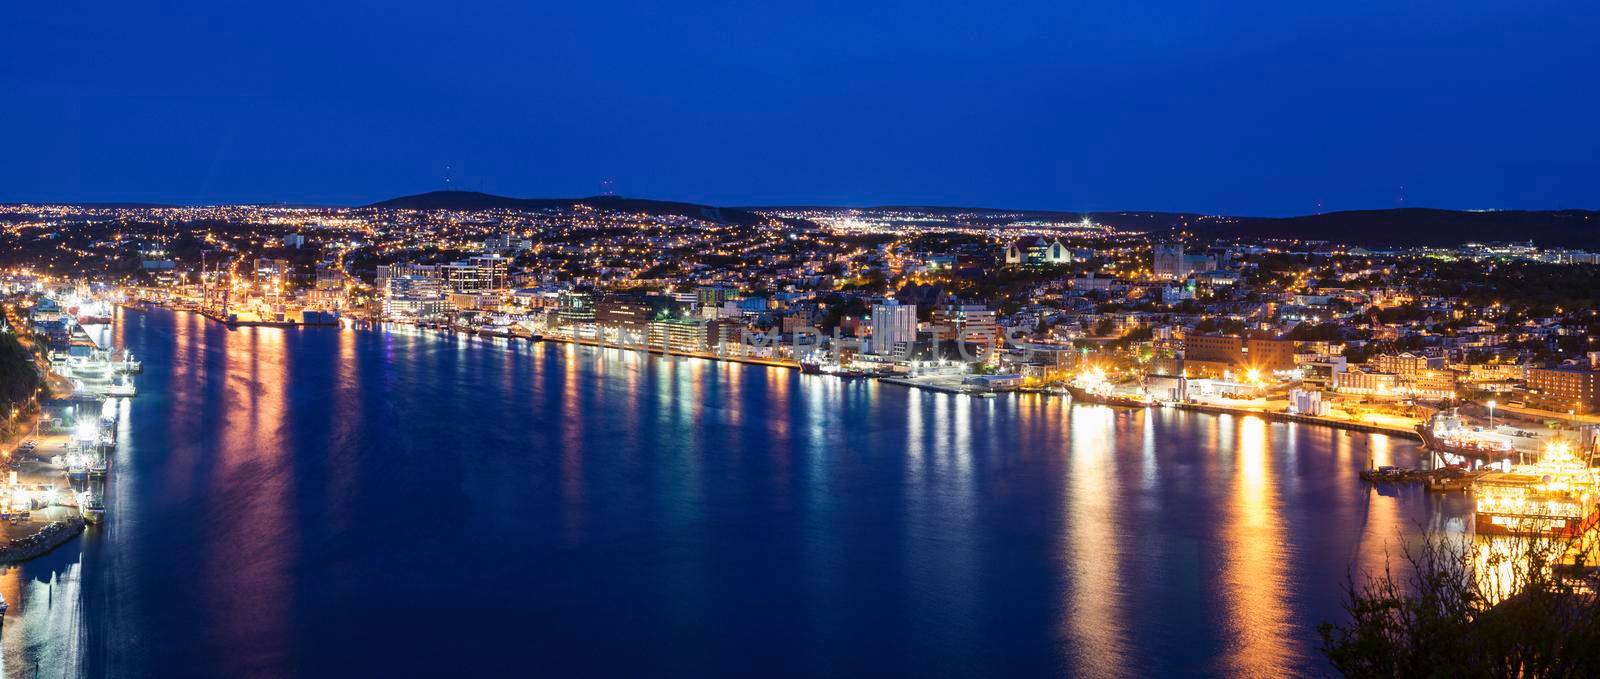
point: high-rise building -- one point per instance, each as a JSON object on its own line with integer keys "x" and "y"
{"x": 1564, "y": 388}
{"x": 484, "y": 272}
{"x": 974, "y": 323}
{"x": 575, "y": 308}
{"x": 678, "y": 334}
{"x": 414, "y": 296}
{"x": 894, "y": 327}
{"x": 398, "y": 269}
{"x": 624, "y": 315}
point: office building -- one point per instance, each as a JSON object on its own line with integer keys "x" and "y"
{"x": 894, "y": 327}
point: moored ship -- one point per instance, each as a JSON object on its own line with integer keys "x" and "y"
{"x": 1444, "y": 432}
{"x": 1555, "y": 497}
{"x": 91, "y": 507}
{"x": 1092, "y": 386}
{"x": 1081, "y": 395}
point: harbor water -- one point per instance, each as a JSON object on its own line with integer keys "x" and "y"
{"x": 392, "y": 502}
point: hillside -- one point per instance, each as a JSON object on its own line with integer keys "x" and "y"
{"x": 472, "y": 200}
{"x": 1422, "y": 226}
{"x": 1373, "y": 228}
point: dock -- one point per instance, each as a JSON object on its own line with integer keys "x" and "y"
{"x": 1366, "y": 427}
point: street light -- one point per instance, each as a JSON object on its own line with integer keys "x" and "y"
{"x": 1491, "y": 414}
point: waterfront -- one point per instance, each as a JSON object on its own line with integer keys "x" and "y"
{"x": 386, "y": 502}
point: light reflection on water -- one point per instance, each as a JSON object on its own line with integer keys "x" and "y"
{"x": 1097, "y": 634}
{"x": 1256, "y": 589}
{"x": 331, "y": 499}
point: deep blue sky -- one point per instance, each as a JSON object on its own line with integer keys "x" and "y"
{"x": 1239, "y": 107}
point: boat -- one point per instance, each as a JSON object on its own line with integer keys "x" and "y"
{"x": 121, "y": 386}
{"x": 91, "y": 507}
{"x": 1444, "y": 432}
{"x": 1080, "y": 394}
{"x": 128, "y": 366}
{"x": 1555, "y": 497}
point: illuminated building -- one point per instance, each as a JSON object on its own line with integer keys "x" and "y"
{"x": 894, "y": 327}
{"x": 1564, "y": 388}
{"x": 1037, "y": 250}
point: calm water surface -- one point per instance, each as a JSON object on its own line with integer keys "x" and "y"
{"x": 386, "y": 503}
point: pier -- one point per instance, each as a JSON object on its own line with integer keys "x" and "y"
{"x": 1365, "y": 427}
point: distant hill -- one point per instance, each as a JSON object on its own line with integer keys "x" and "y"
{"x": 103, "y": 205}
{"x": 472, "y": 200}
{"x": 1374, "y": 228}
{"x": 1420, "y": 226}
{"x": 1400, "y": 227}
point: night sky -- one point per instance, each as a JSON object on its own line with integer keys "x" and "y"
{"x": 1236, "y": 107}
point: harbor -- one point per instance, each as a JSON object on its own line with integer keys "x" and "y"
{"x": 57, "y": 470}
{"x": 242, "y": 467}
{"x": 284, "y": 443}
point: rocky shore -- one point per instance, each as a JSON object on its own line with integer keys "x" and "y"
{"x": 53, "y": 535}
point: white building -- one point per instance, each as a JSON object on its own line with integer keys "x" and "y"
{"x": 477, "y": 274}
{"x": 894, "y": 327}
{"x": 1037, "y": 250}
{"x": 414, "y": 297}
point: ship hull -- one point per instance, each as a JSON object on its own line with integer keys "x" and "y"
{"x": 1433, "y": 443}
{"x": 1487, "y": 523}
{"x": 1084, "y": 396}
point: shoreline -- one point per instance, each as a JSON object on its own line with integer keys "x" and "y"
{"x": 909, "y": 383}
{"x": 1363, "y": 427}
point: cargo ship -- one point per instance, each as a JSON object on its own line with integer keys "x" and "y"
{"x": 1092, "y": 386}
{"x": 1556, "y": 497}
{"x": 1107, "y": 398}
{"x": 1444, "y": 432}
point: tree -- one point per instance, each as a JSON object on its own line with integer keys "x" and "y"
{"x": 19, "y": 376}
{"x": 1471, "y": 607}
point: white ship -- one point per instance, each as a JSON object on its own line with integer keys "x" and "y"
{"x": 91, "y": 507}
{"x": 121, "y": 386}
{"x": 127, "y": 365}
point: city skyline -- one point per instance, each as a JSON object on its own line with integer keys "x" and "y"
{"x": 828, "y": 339}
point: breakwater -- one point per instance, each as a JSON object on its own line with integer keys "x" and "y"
{"x": 46, "y": 539}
